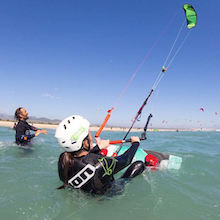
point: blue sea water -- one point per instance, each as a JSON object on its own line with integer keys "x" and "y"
{"x": 28, "y": 182}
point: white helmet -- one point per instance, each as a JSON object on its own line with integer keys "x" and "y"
{"x": 71, "y": 132}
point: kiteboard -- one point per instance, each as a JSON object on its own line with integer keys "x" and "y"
{"x": 152, "y": 159}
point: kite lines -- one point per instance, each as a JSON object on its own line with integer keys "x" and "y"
{"x": 191, "y": 19}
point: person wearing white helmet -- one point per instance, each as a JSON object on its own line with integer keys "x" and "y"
{"x": 82, "y": 166}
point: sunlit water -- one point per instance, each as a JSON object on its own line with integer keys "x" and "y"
{"x": 28, "y": 182}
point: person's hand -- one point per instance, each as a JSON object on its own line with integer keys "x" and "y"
{"x": 37, "y": 133}
{"x": 103, "y": 144}
{"x": 40, "y": 132}
{"x": 44, "y": 132}
{"x": 135, "y": 139}
{"x": 97, "y": 139}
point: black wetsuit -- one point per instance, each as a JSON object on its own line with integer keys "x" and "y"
{"x": 104, "y": 169}
{"x": 23, "y": 136}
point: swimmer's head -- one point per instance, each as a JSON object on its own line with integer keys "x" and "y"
{"x": 21, "y": 114}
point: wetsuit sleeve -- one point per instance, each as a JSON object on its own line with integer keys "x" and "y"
{"x": 126, "y": 158}
{"x": 95, "y": 149}
{"x": 108, "y": 166}
{"x": 30, "y": 127}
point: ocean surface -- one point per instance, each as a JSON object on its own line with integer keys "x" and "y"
{"x": 29, "y": 178}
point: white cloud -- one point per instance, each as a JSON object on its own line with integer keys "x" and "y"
{"x": 49, "y": 96}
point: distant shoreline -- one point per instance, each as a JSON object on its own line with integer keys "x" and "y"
{"x": 95, "y": 128}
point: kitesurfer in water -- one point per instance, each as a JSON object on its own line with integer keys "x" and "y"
{"x": 82, "y": 166}
{"x": 22, "y": 128}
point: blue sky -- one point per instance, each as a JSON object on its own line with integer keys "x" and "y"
{"x": 59, "y": 58}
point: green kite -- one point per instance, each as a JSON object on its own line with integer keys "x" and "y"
{"x": 191, "y": 16}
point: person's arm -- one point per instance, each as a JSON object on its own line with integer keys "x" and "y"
{"x": 126, "y": 158}
{"x": 38, "y": 131}
{"x": 115, "y": 164}
{"x": 95, "y": 149}
{"x": 102, "y": 144}
{"x": 30, "y": 127}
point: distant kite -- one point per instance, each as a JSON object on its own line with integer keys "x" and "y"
{"x": 202, "y": 109}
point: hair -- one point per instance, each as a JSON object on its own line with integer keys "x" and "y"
{"x": 86, "y": 139}
{"x": 65, "y": 163}
{"x": 17, "y": 113}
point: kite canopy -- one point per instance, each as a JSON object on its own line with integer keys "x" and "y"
{"x": 191, "y": 16}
